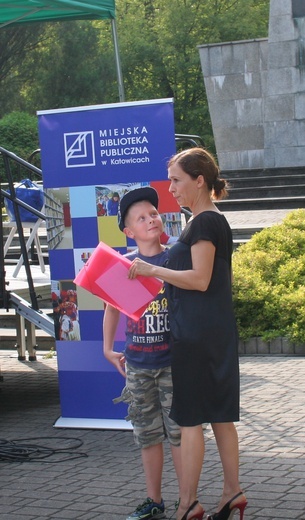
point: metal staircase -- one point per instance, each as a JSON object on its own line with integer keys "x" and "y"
{"x": 28, "y": 314}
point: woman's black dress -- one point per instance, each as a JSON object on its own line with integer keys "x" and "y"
{"x": 204, "y": 339}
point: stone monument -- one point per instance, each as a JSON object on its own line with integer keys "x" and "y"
{"x": 256, "y": 93}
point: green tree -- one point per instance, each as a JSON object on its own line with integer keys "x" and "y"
{"x": 19, "y": 135}
{"x": 68, "y": 68}
{"x": 164, "y": 61}
{"x": 74, "y": 64}
{"x": 16, "y": 44}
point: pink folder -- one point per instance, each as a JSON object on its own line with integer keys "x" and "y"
{"x": 105, "y": 275}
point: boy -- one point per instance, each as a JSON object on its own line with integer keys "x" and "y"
{"x": 146, "y": 359}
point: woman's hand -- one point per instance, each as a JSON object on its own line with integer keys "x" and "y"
{"x": 139, "y": 267}
{"x": 195, "y": 279}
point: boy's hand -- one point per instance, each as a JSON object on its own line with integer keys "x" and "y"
{"x": 118, "y": 360}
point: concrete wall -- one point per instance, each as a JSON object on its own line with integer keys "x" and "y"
{"x": 256, "y": 93}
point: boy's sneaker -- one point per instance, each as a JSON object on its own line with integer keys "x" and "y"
{"x": 149, "y": 510}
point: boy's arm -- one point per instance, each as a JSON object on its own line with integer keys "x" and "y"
{"x": 110, "y": 323}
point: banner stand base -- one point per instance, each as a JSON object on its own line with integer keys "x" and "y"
{"x": 92, "y": 424}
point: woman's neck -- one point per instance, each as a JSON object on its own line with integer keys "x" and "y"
{"x": 204, "y": 203}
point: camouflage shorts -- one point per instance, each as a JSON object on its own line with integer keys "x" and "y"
{"x": 149, "y": 395}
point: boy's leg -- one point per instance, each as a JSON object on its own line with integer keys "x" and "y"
{"x": 146, "y": 416}
{"x": 172, "y": 429}
{"x": 152, "y": 459}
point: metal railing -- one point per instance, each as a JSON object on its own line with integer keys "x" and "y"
{"x": 10, "y": 194}
{"x": 189, "y": 140}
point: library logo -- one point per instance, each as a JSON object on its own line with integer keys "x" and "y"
{"x": 79, "y": 149}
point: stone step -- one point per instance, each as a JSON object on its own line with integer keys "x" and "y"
{"x": 8, "y": 338}
{"x": 8, "y": 317}
{"x": 8, "y": 331}
{"x": 267, "y": 203}
{"x": 266, "y": 192}
{"x": 13, "y": 256}
{"x": 241, "y": 235}
{"x": 43, "y": 294}
{"x": 262, "y": 181}
{"x": 16, "y": 242}
{"x": 14, "y": 250}
{"x": 42, "y": 232}
{"x": 239, "y": 242}
{"x": 287, "y": 172}
{"x": 275, "y": 183}
{"x": 15, "y": 247}
{"x": 246, "y": 232}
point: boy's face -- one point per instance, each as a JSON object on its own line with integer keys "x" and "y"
{"x": 143, "y": 221}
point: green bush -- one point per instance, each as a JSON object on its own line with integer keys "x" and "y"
{"x": 19, "y": 135}
{"x": 269, "y": 282}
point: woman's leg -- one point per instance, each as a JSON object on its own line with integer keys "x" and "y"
{"x": 227, "y": 443}
{"x": 192, "y": 453}
{"x": 176, "y": 457}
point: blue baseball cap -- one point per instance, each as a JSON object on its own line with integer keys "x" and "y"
{"x": 138, "y": 194}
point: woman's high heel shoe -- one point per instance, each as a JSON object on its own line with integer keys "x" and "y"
{"x": 227, "y": 512}
{"x": 195, "y": 516}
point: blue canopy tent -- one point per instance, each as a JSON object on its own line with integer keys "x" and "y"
{"x": 27, "y": 11}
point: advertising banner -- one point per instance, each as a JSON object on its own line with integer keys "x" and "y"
{"x": 91, "y": 156}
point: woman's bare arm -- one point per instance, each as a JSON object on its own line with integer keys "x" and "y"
{"x": 197, "y": 278}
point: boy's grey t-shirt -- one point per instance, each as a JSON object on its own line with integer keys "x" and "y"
{"x": 147, "y": 340}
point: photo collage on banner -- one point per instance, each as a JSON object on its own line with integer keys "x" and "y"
{"x": 91, "y": 157}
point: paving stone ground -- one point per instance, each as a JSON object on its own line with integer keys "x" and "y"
{"x": 95, "y": 474}
{"x": 107, "y": 483}
{"x": 259, "y": 218}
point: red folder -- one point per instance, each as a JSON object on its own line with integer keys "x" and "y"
{"x": 105, "y": 275}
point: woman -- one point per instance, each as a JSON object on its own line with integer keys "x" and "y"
{"x": 204, "y": 338}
